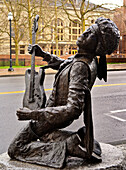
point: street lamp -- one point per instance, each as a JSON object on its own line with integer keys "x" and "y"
{"x": 10, "y": 17}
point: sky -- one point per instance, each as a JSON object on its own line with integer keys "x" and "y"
{"x": 118, "y": 2}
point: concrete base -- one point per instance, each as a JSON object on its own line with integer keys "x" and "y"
{"x": 112, "y": 158}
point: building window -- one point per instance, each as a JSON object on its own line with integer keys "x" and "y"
{"x": 74, "y": 30}
{"x": 22, "y": 49}
{"x": 60, "y": 50}
{"x": 92, "y": 21}
{"x": 13, "y": 49}
{"x": 60, "y": 30}
{"x": 73, "y": 50}
{"x": 124, "y": 44}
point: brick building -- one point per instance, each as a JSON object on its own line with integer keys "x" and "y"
{"x": 120, "y": 20}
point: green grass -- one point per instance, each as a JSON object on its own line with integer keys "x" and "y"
{"x": 6, "y": 67}
{"x": 116, "y": 63}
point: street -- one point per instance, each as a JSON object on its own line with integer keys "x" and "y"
{"x": 108, "y": 108}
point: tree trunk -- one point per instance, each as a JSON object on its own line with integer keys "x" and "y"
{"x": 83, "y": 25}
{"x": 16, "y": 54}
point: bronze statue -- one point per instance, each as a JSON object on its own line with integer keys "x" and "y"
{"x": 69, "y": 99}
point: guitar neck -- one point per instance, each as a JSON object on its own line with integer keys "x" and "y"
{"x": 33, "y": 38}
{"x": 32, "y": 76}
{"x": 33, "y": 54}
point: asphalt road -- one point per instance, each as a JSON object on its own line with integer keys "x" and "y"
{"x": 108, "y": 105}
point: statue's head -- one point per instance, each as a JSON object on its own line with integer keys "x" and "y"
{"x": 101, "y": 38}
{"x": 108, "y": 36}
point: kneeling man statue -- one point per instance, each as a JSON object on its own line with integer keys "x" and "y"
{"x": 44, "y": 141}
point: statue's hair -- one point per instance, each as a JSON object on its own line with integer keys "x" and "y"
{"x": 108, "y": 36}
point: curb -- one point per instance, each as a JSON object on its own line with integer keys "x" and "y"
{"x": 21, "y": 71}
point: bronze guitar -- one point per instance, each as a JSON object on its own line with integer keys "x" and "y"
{"x": 34, "y": 97}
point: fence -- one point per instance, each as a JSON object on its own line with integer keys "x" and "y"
{"x": 6, "y": 62}
{"x": 40, "y": 62}
{"x": 116, "y": 60}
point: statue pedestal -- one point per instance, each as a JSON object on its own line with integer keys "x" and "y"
{"x": 112, "y": 157}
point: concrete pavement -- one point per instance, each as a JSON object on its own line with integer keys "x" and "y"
{"x": 21, "y": 71}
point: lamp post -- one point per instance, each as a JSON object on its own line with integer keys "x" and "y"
{"x": 10, "y": 18}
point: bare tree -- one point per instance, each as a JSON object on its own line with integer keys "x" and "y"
{"x": 49, "y": 11}
{"x": 82, "y": 11}
{"x": 46, "y": 14}
{"x": 18, "y": 23}
{"x": 24, "y": 12}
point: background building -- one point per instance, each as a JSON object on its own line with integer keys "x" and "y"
{"x": 120, "y": 20}
{"x": 57, "y": 31}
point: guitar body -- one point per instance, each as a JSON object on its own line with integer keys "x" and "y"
{"x": 39, "y": 93}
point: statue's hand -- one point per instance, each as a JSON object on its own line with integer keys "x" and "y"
{"x": 30, "y": 48}
{"x": 37, "y": 48}
{"x": 27, "y": 114}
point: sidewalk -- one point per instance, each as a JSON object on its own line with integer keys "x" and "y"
{"x": 116, "y": 67}
{"x": 21, "y": 71}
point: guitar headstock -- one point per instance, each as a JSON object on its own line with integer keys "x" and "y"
{"x": 35, "y": 24}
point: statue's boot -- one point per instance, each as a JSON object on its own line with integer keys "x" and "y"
{"x": 76, "y": 146}
{"x": 73, "y": 147}
{"x": 96, "y": 154}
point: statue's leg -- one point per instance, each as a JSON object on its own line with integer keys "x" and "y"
{"x": 32, "y": 132}
{"x": 72, "y": 140}
{"x": 18, "y": 144}
{"x": 25, "y": 147}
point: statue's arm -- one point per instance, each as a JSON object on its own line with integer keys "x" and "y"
{"x": 51, "y": 59}
{"x": 62, "y": 116}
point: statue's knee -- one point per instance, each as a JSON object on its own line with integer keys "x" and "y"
{"x": 11, "y": 151}
{"x": 14, "y": 148}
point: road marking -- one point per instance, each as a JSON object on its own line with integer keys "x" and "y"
{"x": 51, "y": 88}
{"x": 116, "y": 117}
{"x": 120, "y": 84}
{"x": 12, "y": 92}
{"x": 117, "y": 111}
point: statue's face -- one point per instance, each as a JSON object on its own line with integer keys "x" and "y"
{"x": 87, "y": 42}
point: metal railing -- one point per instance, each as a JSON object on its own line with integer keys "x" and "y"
{"x": 6, "y": 62}
{"x": 27, "y": 62}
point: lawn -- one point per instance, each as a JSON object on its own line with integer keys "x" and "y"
{"x": 6, "y": 67}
